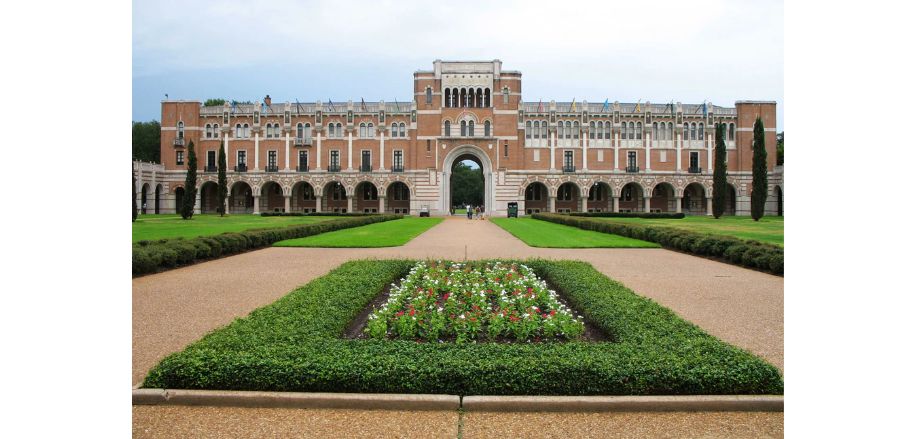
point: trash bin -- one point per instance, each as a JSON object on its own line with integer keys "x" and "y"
{"x": 513, "y": 210}
{"x": 424, "y": 211}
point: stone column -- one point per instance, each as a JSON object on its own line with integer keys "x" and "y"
{"x": 349, "y": 203}
{"x": 381, "y": 157}
{"x": 318, "y": 164}
{"x": 317, "y": 203}
{"x": 553, "y": 204}
{"x": 197, "y": 205}
{"x": 583, "y": 204}
{"x": 647, "y": 137}
{"x": 709, "y": 206}
{"x": 648, "y": 203}
{"x": 616, "y": 204}
{"x": 616, "y": 149}
{"x": 286, "y": 168}
{"x": 381, "y": 204}
{"x": 257, "y": 205}
{"x": 349, "y": 151}
{"x": 286, "y": 203}
{"x": 677, "y": 201}
{"x": 257, "y": 151}
{"x": 679, "y": 144}
{"x": 584, "y": 151}
{"x": 552, "y": 138}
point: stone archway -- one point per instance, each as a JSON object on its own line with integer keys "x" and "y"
{"x": 467, "y": 152}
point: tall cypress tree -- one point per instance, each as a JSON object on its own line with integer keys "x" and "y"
{"x": 133, "y": 193}
{"x": 221, "y": 182}
{"x": 190, "y": 184}
{"x": 719, "y": 183}
{"x": 759, "y": 167}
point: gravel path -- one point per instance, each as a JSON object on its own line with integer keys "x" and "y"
{"x": 174, "y": 308}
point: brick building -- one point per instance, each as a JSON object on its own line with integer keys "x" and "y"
{"x": 397, "y": 157}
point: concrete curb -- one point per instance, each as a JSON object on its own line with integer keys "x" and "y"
{"x": 234, "y": 398}
{"x": 685, "y": 403}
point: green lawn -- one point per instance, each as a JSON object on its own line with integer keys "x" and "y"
{"x": 769, "y": 229}
{"x": 153, "y": 227}
{"x": 537, "y": 233}
{"x": 386, "y": 234}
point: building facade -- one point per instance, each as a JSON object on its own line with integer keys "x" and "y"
{"x": 397, "y": 157}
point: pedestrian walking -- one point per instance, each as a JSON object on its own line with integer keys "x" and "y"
{"x": 467, "y": 208}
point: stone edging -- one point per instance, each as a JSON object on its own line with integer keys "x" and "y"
{"x": 370, "y": 401}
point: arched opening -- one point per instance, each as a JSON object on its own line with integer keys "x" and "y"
{"x": 143, "y": 198}
{"x": 398, "y": 198}
{"x": 599, "y": 197}
{"x": 663, "y": 198}
{"x": 157, "y": 199}
{"x": 303, "y": 198}
{"x": 335, "y": 198}
{"x": 209, "y": 197}
{"x": 466, "y": 182}
{"x": 179, "y": 198}
{"x": 366, "y": 198}
{"x": 241, "y": 198}
{"x": 567, "y": 198}
{"x": 778, "y": 191}
{"x": 694, "y": 200}
{"x": 271, "y": 199}
{"x": 730, "y": 200}
{"x": 536, "y": 198}
{"x": 631, "y": 198}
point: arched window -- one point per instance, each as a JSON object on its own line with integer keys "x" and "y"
{"x": 300, "y": 131}
{"x": 631, "y": 130}
{"x": 454, "y": 97}
{"x": 464, "y": 128}
{"x": 238, "y": 131}
{"x": 486, "y": 128}
{"x": 528, "y": 130}
{"x": 339, "y": 130}
{"x": 560, "y": 130}
{"x": 471, "y": 128}
{"x": 479, "y": 97}
{"x": 429, "y": 95}
{"x": 403, "y": 130}
{"x": 686, "y": 131}
{"x": 568, "y": 129}
{"x": 464, "y": 98}
{"x": 209, "y": 132}
{"x": 394, "y": 129}
{"x": 576, "y": 130}
{"x": 448, "y": 129}
{"x": 447, "y": 94}
{"x": 330, "y": 130}
{"x": 486, "y": 97}
{"x": 670, "y": 130}
{"x": 731, "y": 131}
{"x": 600, "y": 130}
{"x": 505, "y": 95}
{"x": 638, "y": 130}
{"x": 371, "y": 130}
{"x": 308, "y": 131}
{"x": 592, "y": 129}
{"x": 246, "y": 130}
{"x": 700, "y": 133}
{"x": 362, "y": 130}
{"x": 655, "y": 131}
{"x": 181, "y": 130}
{"x": 537, "y": 129}
{"x": 543, "y": 129}
{"x": 693, "y": 131}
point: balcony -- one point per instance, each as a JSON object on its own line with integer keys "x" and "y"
{"x": 241, "y": 168}
{"x": 179, "y": 141}
{"x": 695, "y": 170}
{"x": 397, "y": 168}
{"x": 569, "y": 168}
{"x": 632, "y": 169}
{"x": 365, "y": 168}
{"x": 271, "y": 168}
{"x": 302, "y": 168}
{"x": 333, "y": 168}
{"x": 210, "y": 168}
{"x": 303, "y": 141}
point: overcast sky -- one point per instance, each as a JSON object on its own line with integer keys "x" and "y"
{"x": 714, "y": 50}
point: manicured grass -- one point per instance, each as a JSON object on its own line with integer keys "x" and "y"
{"x": 155, "y": 227}
{"x": 387, "y": 234}
{"x": 296, "y": 344}
{"x": 538, "y": 233}
{"x": 769, "y": 229}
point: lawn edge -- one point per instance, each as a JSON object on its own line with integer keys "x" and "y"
{"x": 656, "y": 245}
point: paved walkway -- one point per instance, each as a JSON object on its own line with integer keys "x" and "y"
{"x": 177, "y": 307}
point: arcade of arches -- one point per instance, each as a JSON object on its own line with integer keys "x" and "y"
{"x": 632, "y": 198}
{"x": 304, "y": 197}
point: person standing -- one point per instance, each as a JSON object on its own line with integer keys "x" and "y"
{"x": 467, "y": 209}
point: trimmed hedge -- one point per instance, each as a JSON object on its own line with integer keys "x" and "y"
{"x": 163, "y": 254}
{"x": 318, "y": 214}
{"x": 295, "y": 344}
{"x": 629, "y": 215}
{"x": 751, "y": 254}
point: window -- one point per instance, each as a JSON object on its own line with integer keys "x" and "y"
{"x": 464, "y": 128}
{"x": 211, "y": 159}
{"x": 569, "y": 130}
{"x": 308, "y": 131}
{"x": 694, "y": 159}
{"x": 398, "y": 161}
{"x": 560, "y": 130}
{"x": 686, "y": 131}
{"x": 238, "y": 131}
{"x": 241, "y": 157}
{"x": 181, "y": 130}
{"x": 300, "y": 131}
{"x": 428, "y": 146}
{"x": 471, "y": 128}
{"x": 208, "y": 131}
{"x": 576, "y": 130}
{"x": 371, "y": 130}
{"x": 362, "y": 130}
{"x": 330, "y": 130}
{"x": 448, "y": 97}
{"x": 631, "y": 159}
{"x": 631, "y": 131}
{"x": 528, "y": 130}
{"x": 505, "y": 95}
{"x": 448, "y": 129}
{"x": 506, "y": 150}
{"x": 638, "y": 130}
{"x": 401, "y": 193}
{"x": 339, "y": 130}
{"x": 592, "y": 129}
{"x": 537, "y": 129}
{"x": 655, "y": 131}
{"x": 544, "y": 129}
{"x": 303, "y": 160}
{"x": 215, "y": 130}
{"x": 366, "y": 160}
{"x": 700, "y": 133}
{"x": 369, "y": 192}
{"x": 486, "y": 128}
{"x": 429, "y": 95}
{"x": 533, "y": 192}
{"x": 486, "y": 97}
{"x": 693, "y": 131}
{"x": 403, "y": 130}
{"x": 272, "y": 159}
{"x": 565, "y": 192}
{"x": 731, "y": 131}
{"x": 179, "y": 157}
{"x": 567, "y": 159}
{"x": 246, "y": 131}
{"x": 335, "y": 159}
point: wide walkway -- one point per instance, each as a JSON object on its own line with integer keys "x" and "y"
{"x": 177, "y": 307}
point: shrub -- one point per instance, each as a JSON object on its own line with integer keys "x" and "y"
{"x": 658, "y": 215}
{"x": 317, "y": 214}
{"x": 151, "y": 256}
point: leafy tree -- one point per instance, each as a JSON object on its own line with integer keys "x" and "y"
{"x": 221, "y": 182}
{"x": 779, "y": 145}
{"x": 759, "y": 169}
{"x": 214, "y": 102}
{"x": 466, "y": 185}
{"x": 719, "y": 183}
{"x": 190, "y": 185}
{"x": 145, "y": 139}
{"x": 133, "y": 193}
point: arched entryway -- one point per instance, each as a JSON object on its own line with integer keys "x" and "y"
{"x": 271, "y": 199}
{"x": 398, "y": 198}
{"x": 143, "y": 198}
{"x": 632, "y": 198}
{"x": 467, "y": 154}
{"x": 730, "y": 200}
{"x": 157, "y": 199}
{"x": 209, "y": 197}
{"x": 179, "y": 198}
{"x": 694, "y": 200}
{"x": 778, "y": 191}
{"x": 303, "y": 199}
{"x": 568, "y": 198}
{"x": 663, "y": 199}
{"x": 334, "y": 198}
{"x": 599, "y": 197}
{"x": 241, "y": 198}
{"x": 537, "y": 198}
{"x": 366, "y": 198}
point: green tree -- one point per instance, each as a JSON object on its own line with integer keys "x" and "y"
{"x": 780, "y": 140}
{"x": 221, "y": 182}
{"x": 759, "y": 169}
{"x": 466, "y": 185}
{"x": 190, "y": 185}
{"x": 214, "y": 102}
{"x": 133, "y": 193}
{"x": 719, "y": 183}
{"x": 145, "y": 139}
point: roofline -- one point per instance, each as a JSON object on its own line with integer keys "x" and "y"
{"x": 755, "y": 102}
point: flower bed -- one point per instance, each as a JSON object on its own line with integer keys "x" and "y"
{"x": 493, "y": 301}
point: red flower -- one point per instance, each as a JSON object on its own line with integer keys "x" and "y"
{"x": 544, "y": 315}
{"x": 399, "y": 314}
{"x": 530, "y": 290}
{"x": 412, "y": 312}
{"x": 553, "y": 312}
{"x": 445, "y": 297}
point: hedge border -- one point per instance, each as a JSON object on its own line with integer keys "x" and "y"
{"x": 295, "y": 344}
{"x": 165, "y": 254}
{"x": 349, "y": 214}
{"x": 629, "y": 215}
{"x": 735, "y": 251}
